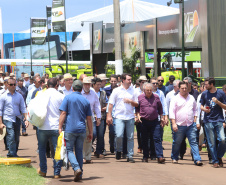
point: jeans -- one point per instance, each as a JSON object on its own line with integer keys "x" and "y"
{"x": 75, "y": 140}
{"x": 191, "y": 133}
{"x": 120, "y": 126}
{"x": 100, "y": 136}
{"x": 151, "y": 129}
{"x": 12, "y": 136}
{"x": 216, "y": 151}
{"x": 43, "y": 137}
{"x": 23, "y": 125}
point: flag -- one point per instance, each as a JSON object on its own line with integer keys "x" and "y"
{"x": 38, "y": 31}
{"x": 58, "y": 16}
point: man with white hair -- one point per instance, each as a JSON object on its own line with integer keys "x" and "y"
{"x": 93, "y": 99}
{"x": 150, "y": 107}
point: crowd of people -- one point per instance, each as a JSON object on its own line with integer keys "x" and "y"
{"x": 85, "y": 107}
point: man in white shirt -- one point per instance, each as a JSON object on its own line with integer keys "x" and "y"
{"x": 49, "y": 130}
{"x": 68, "y": 80}
{"x": 124, "y": 98}
{"x": 93, "y": 99}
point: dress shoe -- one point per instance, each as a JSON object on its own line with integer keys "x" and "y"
{"x": 161, "y": 160}
{"x": 198, "y": 163}
{"x": 77, "y": 175}
{"x": 174, "y": 161}
{"x": 131, "y": 160}
{"x": 216, "y": 165}
{"x": 118, "y": 155}
{"x": 41, "y": 173}
{"x": 24, "y": 134}
{"x": 89, "y": 162}
{"x": 101, "y": 156}
{"x": 57, "y": 176}
{"x": 145, "y": 160}
{"x": 221, "y": 164}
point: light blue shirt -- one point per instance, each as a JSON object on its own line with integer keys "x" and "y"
{"x": 163, "y": 100}
{"x": 66, "y": 92}
{"x": 11, "y": 106}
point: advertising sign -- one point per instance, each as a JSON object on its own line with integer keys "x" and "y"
{"x": 38, "y": 31}
{"x": 97, "y": 37}
{"x": 133, "y": 40}
{"x": 108, "y": 40}
{"x": 48, "y": 15}
{"x": 168, "y": 32}
{"x": 192, "y": 25}
{"x": 58, "y": 16}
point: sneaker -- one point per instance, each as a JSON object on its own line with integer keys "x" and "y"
{"x": 131, "y": 160}
{"x": 221, "y": 164}
{"x": 77, "y": 175}
{"x": 118, "y": 155}
{"x": 41, "y": 173}
{"x": 174, "y": 161}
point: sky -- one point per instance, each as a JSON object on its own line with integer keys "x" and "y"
{"x": 16, "y": 14}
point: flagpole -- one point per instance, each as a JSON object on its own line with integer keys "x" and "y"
{"x": 66, "y": 39}
{"x": 30, "y": 45}
{"x": 50, "y": 68}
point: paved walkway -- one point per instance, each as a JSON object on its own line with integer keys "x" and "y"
{"x": 109, "y": 171}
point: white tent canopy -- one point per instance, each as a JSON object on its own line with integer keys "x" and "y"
{"x": 130, "y": 11}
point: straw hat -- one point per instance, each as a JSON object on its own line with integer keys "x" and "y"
{"x": 3, "y": 133}
{"x": 86, "y": 80}
{"x": 11, "y": 75}
{"x": 91, "y": 77}
{"x": 143, "y": 78}
{"x": 1, "y": 71}
{"x": 67, "y": 75}
{"x": 102, "y": 77}
{"x": 26, "y": 75}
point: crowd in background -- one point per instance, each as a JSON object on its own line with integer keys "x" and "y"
{"x": 84, "y": 108}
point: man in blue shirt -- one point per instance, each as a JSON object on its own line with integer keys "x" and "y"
{"x": 75, "y": 111}
{"x": 11, "y": 106}
{"x": 213, "y": 120}
{"x": 113, "y": 81}
{"x": 160, "y": 85}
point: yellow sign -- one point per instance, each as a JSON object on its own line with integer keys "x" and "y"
{"x": 13, "y": 63}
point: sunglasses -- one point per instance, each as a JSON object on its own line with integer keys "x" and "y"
{"x": 160, "y": 80}
{"x": 12, "y": 84}
{"x": 155, "y": 83}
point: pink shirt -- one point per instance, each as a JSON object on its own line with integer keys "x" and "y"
{"x": 183, "y": 110}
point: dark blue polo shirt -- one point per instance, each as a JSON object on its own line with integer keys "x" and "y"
{"x": 77, "y": 108}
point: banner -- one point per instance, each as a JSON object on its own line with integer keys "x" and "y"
{"x": 58, "y": 16}
{"x": 97, "y": 37}
{"x": 38, "y": 31}
{"x": 48, "y": 15}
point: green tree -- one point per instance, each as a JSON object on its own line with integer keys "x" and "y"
{"x": 129, "y": 64}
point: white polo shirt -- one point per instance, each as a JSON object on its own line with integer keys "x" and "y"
{"x": 124, "y": 111}
{"x": 53, "y": 112}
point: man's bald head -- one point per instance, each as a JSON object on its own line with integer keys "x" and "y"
{"x": 82, "y": 77}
